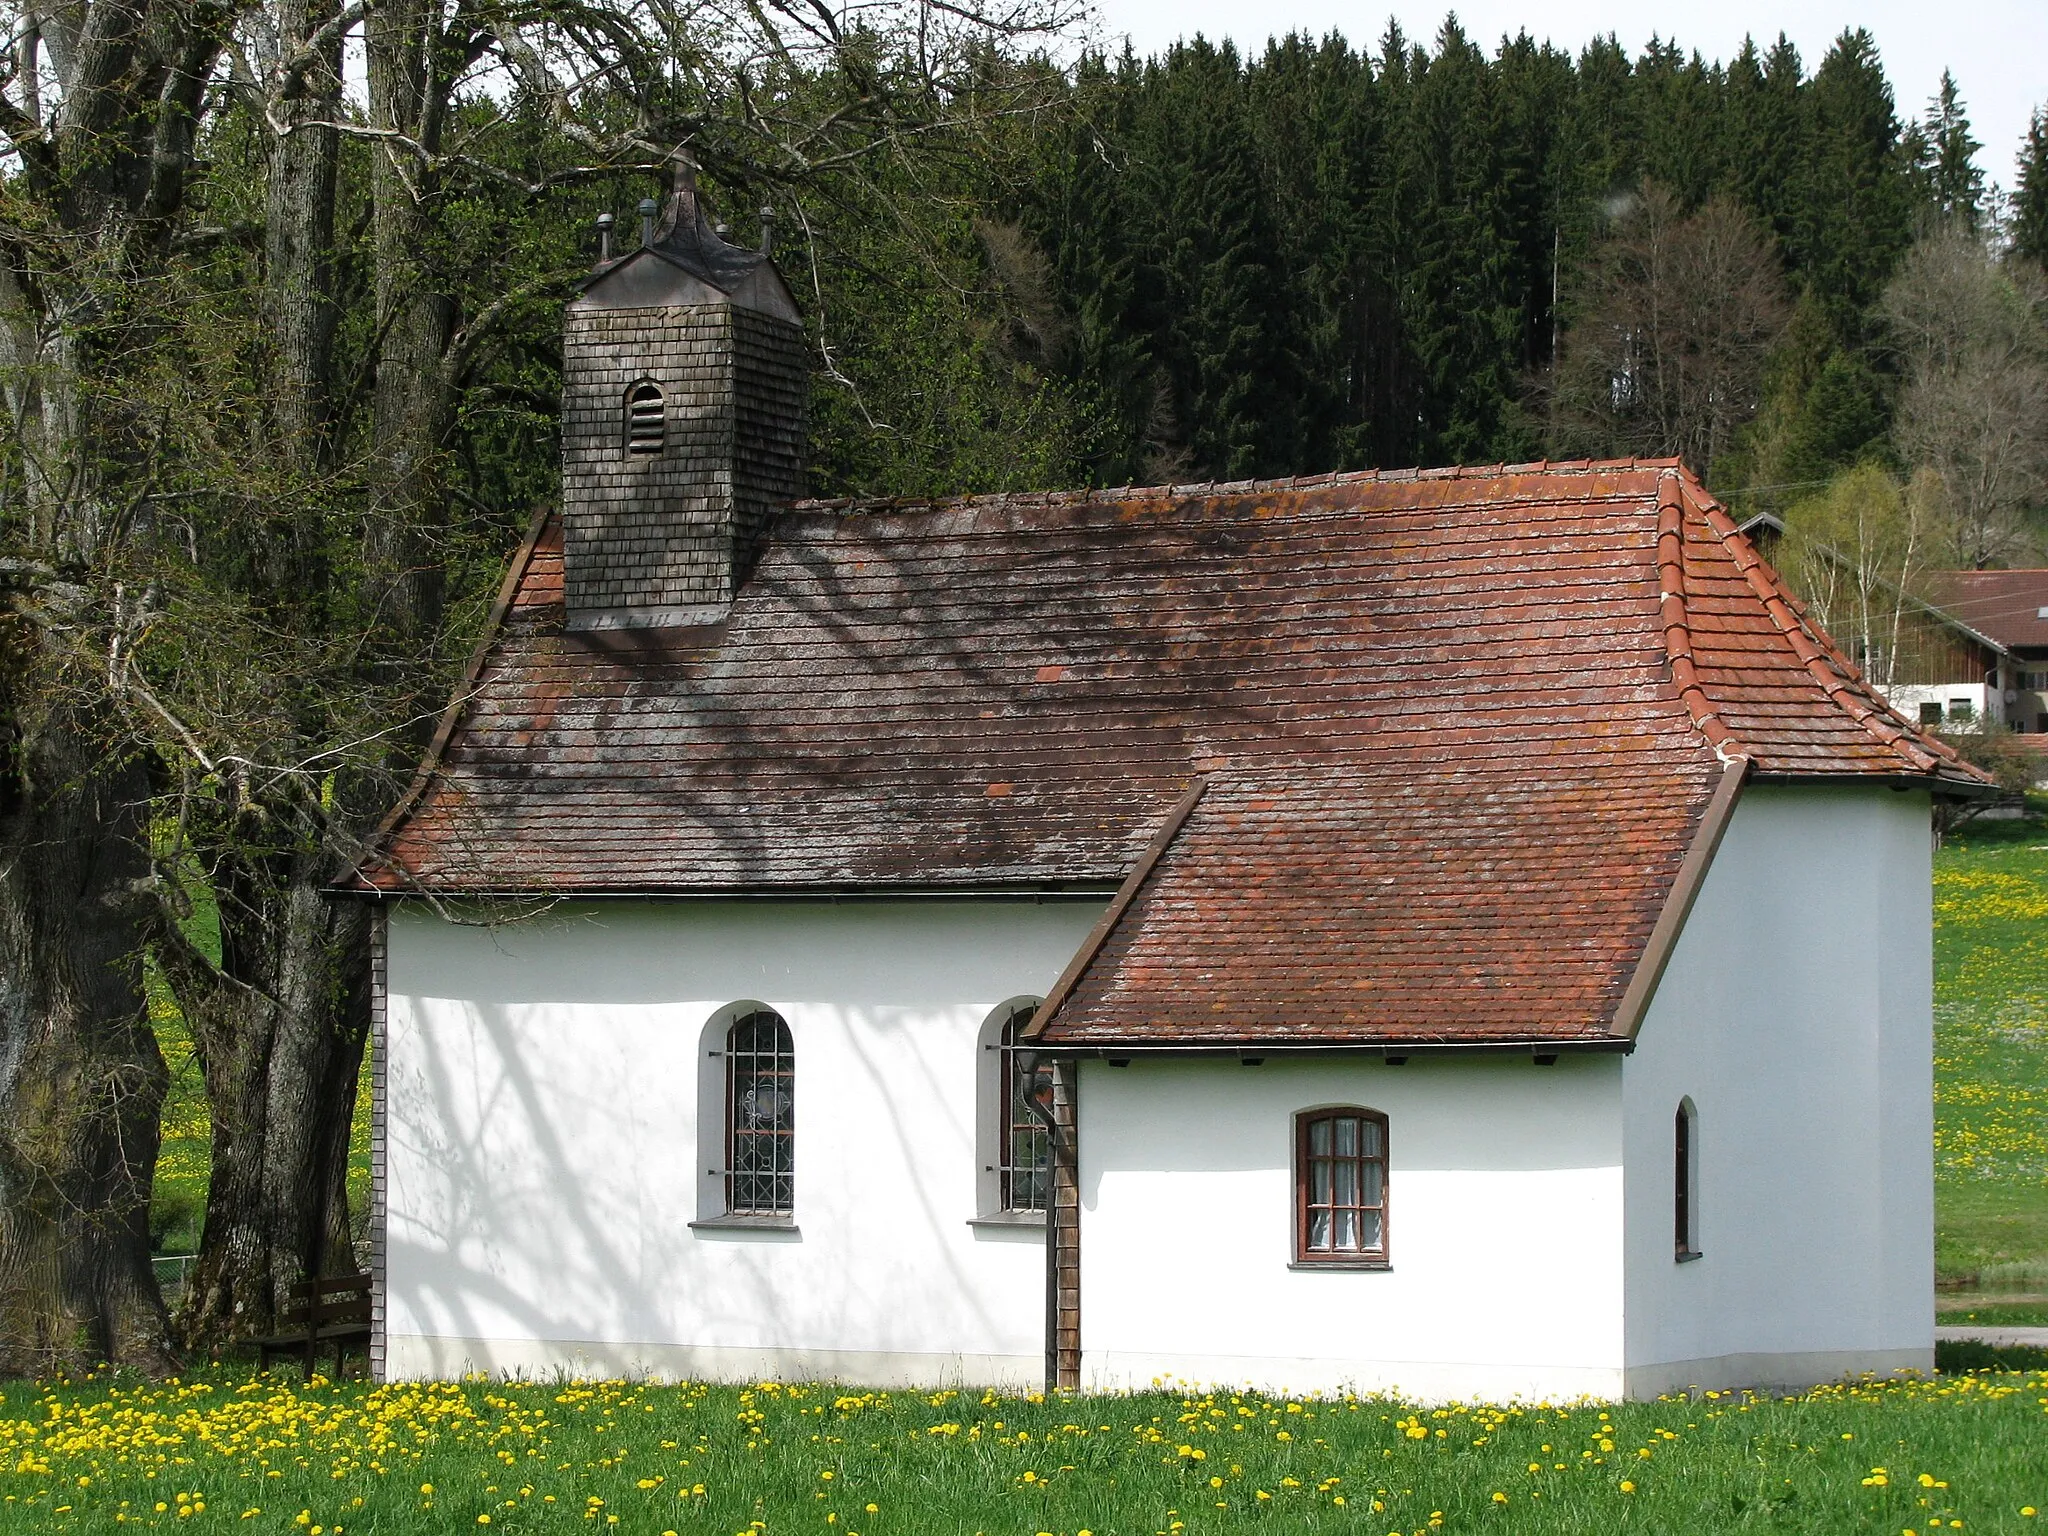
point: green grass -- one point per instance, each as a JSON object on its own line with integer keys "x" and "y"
{"x": 1991, "y": 1056}
{"x": 2032, "y": 1313}
{"x": 226, "y": 1452}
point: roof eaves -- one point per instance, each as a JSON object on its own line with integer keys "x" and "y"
{"x": 356, "y": 882}
{"x": 1091, "y": 946}
{"x": 1837, "y": 678}
{"x": 1678, "y": 901}
{"x": 1251, "y": 1047}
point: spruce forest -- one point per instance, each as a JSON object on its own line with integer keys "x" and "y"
{"x": 280, "y": 301}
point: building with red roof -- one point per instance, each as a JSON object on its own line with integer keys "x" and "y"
{"x": 1458, "y": 931}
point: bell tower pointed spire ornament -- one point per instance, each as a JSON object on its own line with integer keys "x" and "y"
{"x": 683, "y": 212}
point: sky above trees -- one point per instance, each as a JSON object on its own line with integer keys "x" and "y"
{"x": 1994, "y": 47}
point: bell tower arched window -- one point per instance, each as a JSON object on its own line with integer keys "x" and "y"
{"x": 646, "y": 419}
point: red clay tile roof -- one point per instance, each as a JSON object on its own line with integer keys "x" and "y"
{"x": 2009, "y": 606}
{"x": 1457, "y": 729}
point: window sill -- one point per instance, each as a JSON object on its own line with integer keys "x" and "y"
{"x": 1311, "y": 1265}
{"x": 1686, "y": 1257}
{"x": 745, "y": 1222}
{"x": 1034, "y": 1219}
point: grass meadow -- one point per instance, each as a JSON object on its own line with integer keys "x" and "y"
{"x": 1965, "y": 1451}
{"x": 1991, "y": 1074}
{"x": 225, "y": 1450}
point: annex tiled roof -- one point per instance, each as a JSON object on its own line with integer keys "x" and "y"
{"x": 1456, "y": 732}
{"x": 2009, "y": 606}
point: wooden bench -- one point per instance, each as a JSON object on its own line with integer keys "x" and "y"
{"x": 319, "y": 1314}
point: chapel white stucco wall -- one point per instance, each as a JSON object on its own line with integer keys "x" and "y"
{"x": 1797, "y": 1014}
{"x": 542, "y": 1155}
{"x": 1504, "y": 1223}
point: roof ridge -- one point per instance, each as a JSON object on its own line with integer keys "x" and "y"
{"x": 1677, "y": 624}
{"x": 1098, "y": 494}
{"x": 1822, "y": 658}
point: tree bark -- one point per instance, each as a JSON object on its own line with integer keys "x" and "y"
{"x": 81, "y": 1080}
{"x": 299, "y": 245}
{"x": 408, "y": 85}
{"x": 279, "y": 1026}
{"x": 279, "y": 1030}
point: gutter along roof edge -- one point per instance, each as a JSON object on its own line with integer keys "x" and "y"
{"x": 355, "y": 882}
{"x": 1368, "y": 1045}
{"x": 1076, "y": 889}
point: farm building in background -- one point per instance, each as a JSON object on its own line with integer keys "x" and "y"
{"x": 1456, "y": 931}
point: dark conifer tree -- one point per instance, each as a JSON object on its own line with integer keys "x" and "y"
{"x": 2030, "y": 194}
{"x": 1767, "y": 123}
{"x": 1950, "y": 187}
{"x": 1461, "y": 315}
{"x": 1209, "y": 274}
{"x": 1855, "y": 216}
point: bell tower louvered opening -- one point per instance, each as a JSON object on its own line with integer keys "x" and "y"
{"x": 683, "y": 407}
{"x": 646, "y": 421}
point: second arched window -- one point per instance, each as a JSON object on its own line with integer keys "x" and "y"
{"x": 760, "y": 1116}
{"x": 1024, "y": 1146}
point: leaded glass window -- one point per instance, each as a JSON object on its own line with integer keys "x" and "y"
{"x": 1023, "y": 1149}
{"x": 760, "y": 1116}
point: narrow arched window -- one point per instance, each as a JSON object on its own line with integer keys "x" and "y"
{"x": 646, "y": 419}
{"x": 1340, "y": 1187}
{"x": 1024, "y": 1148}
{"x": 760, "y": 1116}
{"x": 1685, "y": 1194}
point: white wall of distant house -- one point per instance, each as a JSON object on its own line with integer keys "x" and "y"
{"x": 1958, "y": 703}
{"x": 543, "y": 1152}
{"x": 1504, "y": 1227}
{"x": 1797, "y": 1014}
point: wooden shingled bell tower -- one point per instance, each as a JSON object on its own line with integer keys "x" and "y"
{"x": 683, "y": 404}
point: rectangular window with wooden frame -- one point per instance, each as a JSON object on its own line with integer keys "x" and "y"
{"x": 1340, "y": 1189}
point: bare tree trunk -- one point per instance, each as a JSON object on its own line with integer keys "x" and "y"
{"x": 408, "y": 87}
{"x": 279, "y": 1026}
{"x": 81, "y": 1080}
{"x": 280, "y": 1031}
{"x": 299, "y": 245}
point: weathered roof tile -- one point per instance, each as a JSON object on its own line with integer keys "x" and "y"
{"x": 1457, "y": 730}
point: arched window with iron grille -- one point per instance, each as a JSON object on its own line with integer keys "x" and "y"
{"x": 1023, "y": 1145}
{"x": 760, "y": 1116}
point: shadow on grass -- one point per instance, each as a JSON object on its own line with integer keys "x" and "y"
{"x": 1953, "y": 1357}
